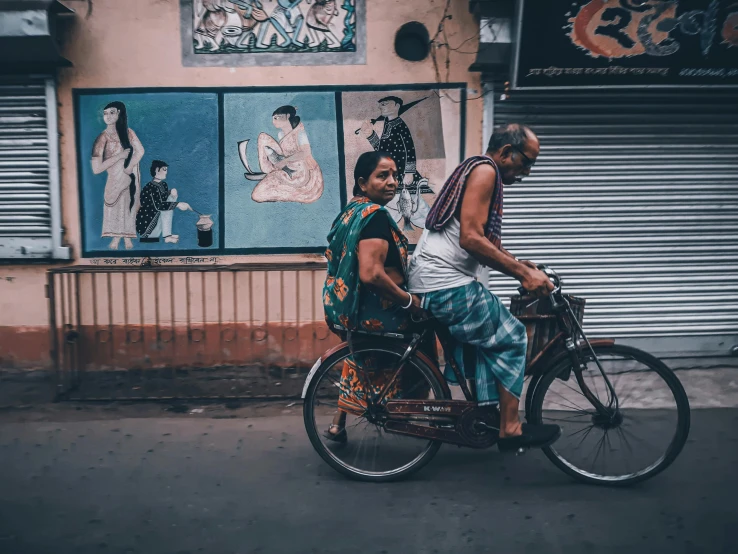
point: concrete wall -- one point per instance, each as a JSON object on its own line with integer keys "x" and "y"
{"x": 137, "y": 43}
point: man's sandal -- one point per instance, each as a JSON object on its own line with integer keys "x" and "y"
{"x": 533, "y": 436}
{"x": 340, "y": 436}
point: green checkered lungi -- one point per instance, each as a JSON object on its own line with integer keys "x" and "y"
{"x": 477, "y": 317}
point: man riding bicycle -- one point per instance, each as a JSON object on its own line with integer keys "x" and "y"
{"x": 463, "y": 233}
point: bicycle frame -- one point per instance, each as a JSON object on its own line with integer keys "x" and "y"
{"x": 562, "y": 345}
{"x": 394, "y": 414}
{"x": 570, "y": 342}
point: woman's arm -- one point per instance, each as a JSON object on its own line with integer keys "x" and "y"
{"x": 138, "y": 151}
{"x": 303, "y": 151}
{"x": 160, "y": 202}
{"x": 372, "y": 256}
{"x": 98, "y": 150}
{"x": 98, "y": 166}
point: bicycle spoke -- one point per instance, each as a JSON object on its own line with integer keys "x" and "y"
{"x": 360, "y": 420}
{"x": 374, "y": 457}
{"x": 594, "y": 381}
{"x": 579, "y": 392}
{"x": 608, "y": 445}
{"x": 361, "y": 446}
{"x": 567, "y": 418}
{"x": 624, "y": 396}
{"x": 620, "y": 377}
{"x": 564, "y": 397}
{"x": 580, "y": 431}
{"x": 571, "y": 405}
{"x": 583, "y": 412}
{"x": 623, "y": 399}
{"x": 639, "y": 439}
{"x": 331, "y": 404}
{"x": 585, "y": 436}
{"x": 630, "y": 450}
{"x": 599, "y": 445}
{"x": 624, "y": 439}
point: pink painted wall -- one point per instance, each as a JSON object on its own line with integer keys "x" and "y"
{"x": 136, "y": 43}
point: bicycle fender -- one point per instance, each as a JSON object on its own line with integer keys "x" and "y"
{"x": 310, "y": 376}
{"x": 317, "y": 364}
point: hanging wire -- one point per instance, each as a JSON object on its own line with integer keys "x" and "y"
{"x": 436, "y": 46}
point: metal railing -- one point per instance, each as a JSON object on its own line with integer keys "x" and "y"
{"x": 164, "y": 332}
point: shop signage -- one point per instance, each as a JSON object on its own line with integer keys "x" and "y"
{"x": 611, "y": 43}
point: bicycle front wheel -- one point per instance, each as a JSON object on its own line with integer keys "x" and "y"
{"x": 369, "y": 453}
{"x": 644, "y": 437}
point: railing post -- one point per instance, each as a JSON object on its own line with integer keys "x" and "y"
{"x": 54, "y": 334}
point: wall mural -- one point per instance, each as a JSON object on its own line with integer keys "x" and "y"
{"x": 248, "y": 171}
{"x": 148, "y": 167}
{"x": 282, "y": 180}
{"x": 408, "y": 125}
{"x": 272, "y": 32}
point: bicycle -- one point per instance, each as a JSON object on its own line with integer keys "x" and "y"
{"x": 571, "y": 381}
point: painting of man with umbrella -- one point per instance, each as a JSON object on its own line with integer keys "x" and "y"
{"x": 408, "y": 207}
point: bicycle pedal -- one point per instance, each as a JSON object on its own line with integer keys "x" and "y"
{"x": 488, "y": 427}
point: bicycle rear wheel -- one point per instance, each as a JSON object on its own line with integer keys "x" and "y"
{"x": 370, "y": 453}
{"x": 643, "y": 440}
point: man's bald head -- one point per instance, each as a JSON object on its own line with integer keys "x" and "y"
{"x": 514, "y": 134}
{"x": 514, "y": 148}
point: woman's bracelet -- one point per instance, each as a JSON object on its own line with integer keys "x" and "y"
{"x": 409, "y": 303}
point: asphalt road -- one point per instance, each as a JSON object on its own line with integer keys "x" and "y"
{"x": 102, "y": 482}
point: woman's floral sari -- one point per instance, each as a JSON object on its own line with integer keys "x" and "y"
{"x": 350, "y": 306}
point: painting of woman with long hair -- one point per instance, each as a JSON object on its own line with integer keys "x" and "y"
{"x": 118, "y": 151}
{"x": 289, "y": 171}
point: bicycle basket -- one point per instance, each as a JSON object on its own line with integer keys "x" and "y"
{"x": 540, "y": 322}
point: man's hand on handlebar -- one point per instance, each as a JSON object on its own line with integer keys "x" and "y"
{"x": 536, "y": 282}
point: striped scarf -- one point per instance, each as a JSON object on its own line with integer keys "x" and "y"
{"x": 448, "y": 199}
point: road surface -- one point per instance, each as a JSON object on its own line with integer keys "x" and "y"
{"x": 141, "y": 479}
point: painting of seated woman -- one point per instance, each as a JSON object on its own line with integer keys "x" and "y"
{"x": 287, "y": 170}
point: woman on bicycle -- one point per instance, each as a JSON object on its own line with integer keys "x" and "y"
{"x": 365, "y": 289}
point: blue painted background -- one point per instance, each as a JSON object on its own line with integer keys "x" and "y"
{"x": 250, "y": 224}
{"x": 178, "y": 128}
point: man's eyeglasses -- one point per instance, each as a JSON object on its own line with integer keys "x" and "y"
{"x": 528, "y": 163}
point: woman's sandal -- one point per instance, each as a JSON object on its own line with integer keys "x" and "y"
{"x": 340, "y": 436}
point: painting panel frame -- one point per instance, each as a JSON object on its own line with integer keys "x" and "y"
{"x": 459, "y": 91}
{"x": 170, "y": 161}
{"x": 192, "y": 59}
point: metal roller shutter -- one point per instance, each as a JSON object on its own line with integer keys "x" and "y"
{"x": 29, "y": 187}
{"x": 634, "y": 200}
